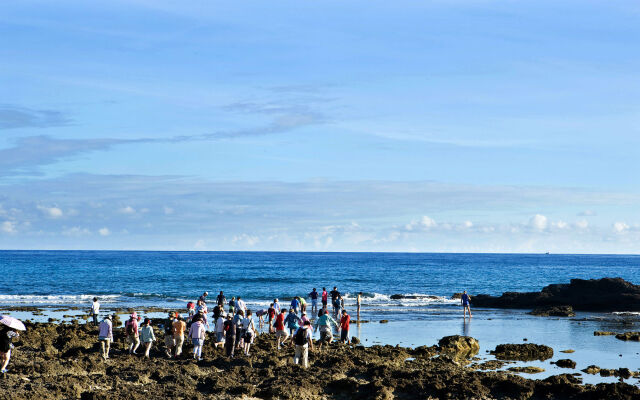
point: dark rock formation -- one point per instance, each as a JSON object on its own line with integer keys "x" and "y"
{"x": 604, "y": 333}
{"x": 523, "y": 352}
{"x": 527, "y": 369}
{"x": 634, "y": 336}
{"x": 459, "y": 346}
{"x": 606, "y": 294}
{"x": 591, "y": 369}
{"x": 566, "y": 363}
{"x": 553, "y": 311}
{"x": 62, "y": 362}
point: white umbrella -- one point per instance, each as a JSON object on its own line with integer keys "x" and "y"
{"x": 12, "y": 322}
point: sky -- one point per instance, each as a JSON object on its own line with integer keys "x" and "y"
{"x": 417, "y": 126}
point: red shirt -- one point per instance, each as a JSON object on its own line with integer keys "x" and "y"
{"x": 272, "y": 312}
{"x": 324, "y": 295}
{"x": 344, "y": 322}
{"x": 280, "y": 322}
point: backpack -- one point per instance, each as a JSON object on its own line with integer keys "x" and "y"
{"x": 301, "y": 337}
{"x": 129, "y": 328}
{"x": 168, "y": 327}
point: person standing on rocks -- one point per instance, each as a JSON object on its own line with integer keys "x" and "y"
{"x": 221, "y": 300}
{"x": 105, "y": 336}
{"x": 281, "y": 332}
{"x": 358, "y": 304}
{"x": 302, "y": 340}
{"x": 276, "y": 306}
{"x": 197, "y": 334}
{"x": 465, "y": 300}
{"x": 131, "y": 330}
{"x": 271, "y": 313}
{"x": 344, "y": 327}
{"x": 324, "y": 323}
{"x": 325, "y": 298}
{"x": 95, "y": 310}
{"x": 147, "y": 336}
{"x": 6, "y": 337}
{"x": 203, "y": 298}
{"x": 314, "y": 301}
{"x": 248, "y": 329}
{"x": 179, "y": 327}
{"x": 335, "y": 301}
{"x": 169, "y": 341}
{"x": 230, "y": 336}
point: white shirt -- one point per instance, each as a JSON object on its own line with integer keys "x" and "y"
{"x": 220, "y": 325}
{"x": 247, "y": 324}
{"x": 95, "y": 307}
{"x": 241, "y": 306}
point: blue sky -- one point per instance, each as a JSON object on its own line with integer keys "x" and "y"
{"x": 501, "y": 126}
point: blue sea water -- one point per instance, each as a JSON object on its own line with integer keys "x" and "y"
{"x": 141, "y": 278}
{"x": 138, "y": 279}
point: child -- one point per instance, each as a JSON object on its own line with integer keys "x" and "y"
{"x": 344, "y": 327}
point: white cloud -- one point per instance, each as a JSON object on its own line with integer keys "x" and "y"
{"x": 167, "y": 210}
{"x": 425, "y": 222}
{"x": 127, "y": 210}
{"x": 467, "y": 224}
{"x": 76, "y": 231}
{"x": 587, "y": 213}
{"x": 538, "y": 222}
{"x": 560, "y": 225}
{"x": 104, "y": 231}
{"x": 249, "y": 240}
{"x": 8, "y": 227}
{"x": 51, "y": 212}
{"x": 620, "y": 227}
{"x": 582, "y": 224}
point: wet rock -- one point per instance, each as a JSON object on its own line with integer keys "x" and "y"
{"x": 523, "y": 352}
{"x": 624, "y": 373}
{"x": 459, "y": 346}
{"x": 591, "y": 369}
{"x": 526, "y": 370}
{"x": 456, "y": 296}
{"x": 553, "y": 311}
{"x": 606, "y": 294}
{"x": 566, "y": 363}
{"x": 384, "y": 321}
{"x": 355, "y": 340}
{"x": 604, "y": 333}
{"x": 634, "y": 336}
{"x": 567, "y": 351}
{"x": 412, "y": 296}
{"x": 491, "y": 364}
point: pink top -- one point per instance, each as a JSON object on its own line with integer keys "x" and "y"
{"x": 106, "y": 330}
{"x": 197, "y": 330}
{"x": 135, "y": 326}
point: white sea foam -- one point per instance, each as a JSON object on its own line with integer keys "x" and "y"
{"x": 53, "y": 299}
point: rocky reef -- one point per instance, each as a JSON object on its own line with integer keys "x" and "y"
{"x": 606, "y": 294}
{"x": 61, "y": 361}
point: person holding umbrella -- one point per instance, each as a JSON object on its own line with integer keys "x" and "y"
{"x": 8, "y": 330}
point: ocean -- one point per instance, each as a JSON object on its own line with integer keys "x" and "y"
{"x": 140, "y": 279}
{"x": 171, "y": 279}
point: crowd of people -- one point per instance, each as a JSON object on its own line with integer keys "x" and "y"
{"x": 234, "y": 326}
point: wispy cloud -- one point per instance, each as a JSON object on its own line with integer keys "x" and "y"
{"x": 12, "y": 117}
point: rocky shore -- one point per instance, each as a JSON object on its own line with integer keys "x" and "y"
{"x": 61, "y": 361}
{"x": 606, "y": 294}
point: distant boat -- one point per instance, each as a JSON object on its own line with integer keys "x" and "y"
{"x": 546, "y": 252}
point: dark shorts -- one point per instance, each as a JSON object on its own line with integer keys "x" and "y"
{"x": 344, "y": 335}
{"x": 324, "y": 303}
{"x": 465, "y": 304}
